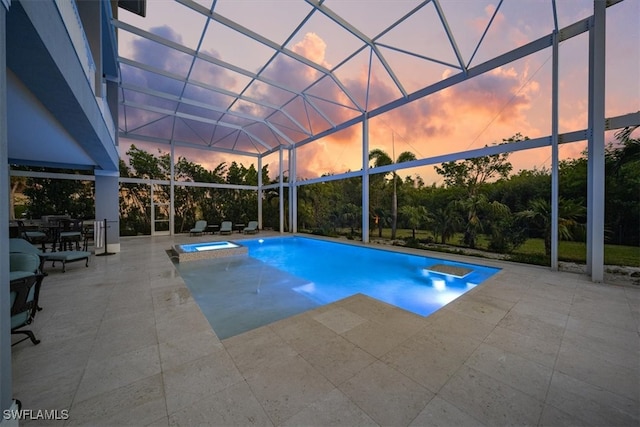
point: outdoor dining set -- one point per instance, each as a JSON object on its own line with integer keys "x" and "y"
{"x": 54, "y": 232}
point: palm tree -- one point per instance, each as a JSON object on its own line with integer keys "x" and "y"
{"x": 381, "y": 218}
{"x": 539, "y": 213}
{"x": 381, "y": 158}
{"x": 415, "y": 215}
{"x": 476, "y": 205}
{"x": 472, "y": 205}
{"x": 445, "y": 222}
{"x": 350, "y": 216}
{"x": 630, "y": 149}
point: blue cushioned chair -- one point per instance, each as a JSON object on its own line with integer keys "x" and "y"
{"x": 24, "y": 293}
{"x": 199, "y": 228}
{"x": 21, "y": 245}
{"x": 33, "y": 236}
{"x": 71, "y": 234}
{"x": 251, "y": 228}
{"x": 226, "y": 227}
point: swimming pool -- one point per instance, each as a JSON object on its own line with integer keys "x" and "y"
{"x": 285, "y": 276}
{"x": 335, "y": 271}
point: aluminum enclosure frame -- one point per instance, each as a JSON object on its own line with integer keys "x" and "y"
{"x": 594, "y": 25}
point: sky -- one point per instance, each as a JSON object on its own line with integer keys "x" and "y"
{"x": 515, "y": 98}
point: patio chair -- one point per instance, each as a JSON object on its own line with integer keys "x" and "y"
{"x": 68, "y": 256}
{"x": 22, "y": 246}
{"x": 18, "y": 245}
{"x": 87, "y": 234}
{"x": 199, "y": 228}
{"x": 70, "y": 233}
{"x": 24, "y": 293}
{"x": 226, "y": 227}
{"x": 251, "y": 228}
{"x": 33, "y": 236}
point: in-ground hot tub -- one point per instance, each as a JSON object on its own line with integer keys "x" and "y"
{"x": 208, "y": 250}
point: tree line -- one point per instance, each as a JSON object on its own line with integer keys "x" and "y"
{"x": 479, "y": 196}
{"x": 190, "y": 203}
{"x": 482, "y": 196}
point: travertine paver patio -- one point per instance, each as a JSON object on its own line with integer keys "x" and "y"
{"x": 124, "y": 343}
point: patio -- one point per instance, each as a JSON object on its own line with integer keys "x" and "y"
{"x": 124, "y": 343}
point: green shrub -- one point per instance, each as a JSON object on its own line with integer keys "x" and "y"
{"x": 412, "y": 243}
{"x": 536, "y": 259}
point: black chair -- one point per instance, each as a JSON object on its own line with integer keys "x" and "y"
{"x": 33, "y": 236}
{"x": 87, "y": 235}
{"x": 24, "y": 293}
{"x": 70, "y": 233}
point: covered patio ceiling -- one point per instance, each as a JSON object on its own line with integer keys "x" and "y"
{"x": 251, "y": 77}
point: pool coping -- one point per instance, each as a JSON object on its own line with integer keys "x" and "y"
{"x": 184, "y": 256}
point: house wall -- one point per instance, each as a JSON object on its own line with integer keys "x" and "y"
{"x": 5, "y": 327}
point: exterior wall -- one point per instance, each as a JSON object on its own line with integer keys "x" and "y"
{"x": 5, "y": 329}
{"x": 38, "y": 39}
{"x": 44, "y": 46}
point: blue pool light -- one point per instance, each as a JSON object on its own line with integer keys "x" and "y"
{"x": 286, "y": 276}
{"x": 334, "y": 271}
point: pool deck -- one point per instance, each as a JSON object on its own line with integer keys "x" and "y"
{"x": 124, "y": 343}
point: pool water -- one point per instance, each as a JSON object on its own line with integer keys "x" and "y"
{"x": 285, "y": 276}
{"x": 334, "y": 271}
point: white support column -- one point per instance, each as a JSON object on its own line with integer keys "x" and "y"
{"x": 290, "y": 185}
{"x": 293, "y": 189}
{"x": 107, "y": 205}
{"x": 365, "y": 179}
{"x": 260, "y": 193}
{"x": 596, "y": 145}
{"x": 153, "y": 209}
{"x": 281, "y": 189}
{"x": 172, "y": 183}
{"x": 554, "y": 155}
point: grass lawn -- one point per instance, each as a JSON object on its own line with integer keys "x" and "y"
{"x": 577, "y": 252}
{"x": 568, "y": 251}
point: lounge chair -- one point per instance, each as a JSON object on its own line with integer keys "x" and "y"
{"x": 24, "y": 292}
{"x": 199, "y": 228}
{"x": 22, "y": 246}
{"x": 251, "y": 228}
{"x": 68, "y": 256}
{"x": 18, "y": 245}
{"x": 226, "y": 227}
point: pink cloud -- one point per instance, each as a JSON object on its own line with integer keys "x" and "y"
{"x": 480, "y": 111}
{"x": 496, "y": 93}
{"x": 312, "y": 47}
{"x": 446, "y": 121}
{"x": 480, "y": 24}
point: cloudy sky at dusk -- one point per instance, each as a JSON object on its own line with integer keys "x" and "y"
{"x": 512, "y": 99}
